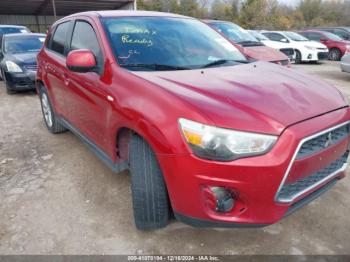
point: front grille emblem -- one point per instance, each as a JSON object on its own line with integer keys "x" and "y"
{"x": 329, "y": 140}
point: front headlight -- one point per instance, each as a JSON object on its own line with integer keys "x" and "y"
{"x": 13, "y": 67}
{"x": 221, "y": 144}
{"x": 310, "y": 47}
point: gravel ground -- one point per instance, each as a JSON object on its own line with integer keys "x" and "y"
{"x": 56, "y": 197}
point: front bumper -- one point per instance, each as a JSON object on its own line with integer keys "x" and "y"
{"x": 314, "y": 55}
{"x": 21, "y": 81}
{"x": 323, "y": 55}
{"x": 254, "y": 181}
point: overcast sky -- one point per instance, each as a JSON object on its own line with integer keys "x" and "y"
{"x": 289, "y": 2}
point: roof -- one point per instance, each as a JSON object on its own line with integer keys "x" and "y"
{"x": 122, "y": 13}
{"x": 215, "y": 21}
{"x": 12, "y": 26}
{"x": 23, "y": 34}
{"x": 63, "y": 7}
{"x": 128, "y": 13}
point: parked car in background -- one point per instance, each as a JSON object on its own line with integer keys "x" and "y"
{"x": 12, "y": 29}
{"x": 345, "y": 63}
{"x": 248, "y": 44}
{"x": 336, "y": 45}
{"x": 18, "y": 60}
{"x": 342, "y": 32}
{"x": 305, "y": 50}
{"x": 242, "y": 144}
{"x": 280, "y": 46}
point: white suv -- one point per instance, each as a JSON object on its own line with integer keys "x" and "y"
{"x": 305, "y": 50}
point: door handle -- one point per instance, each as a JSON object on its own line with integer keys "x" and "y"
{"x": 66, "y": 79}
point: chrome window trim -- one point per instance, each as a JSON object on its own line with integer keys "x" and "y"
{"x": 331, "y": 176}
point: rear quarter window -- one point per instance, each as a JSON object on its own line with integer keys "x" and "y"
{"x": 59, "y": 38}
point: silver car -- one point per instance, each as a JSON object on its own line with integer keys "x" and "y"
{"x": 345, "y": 63}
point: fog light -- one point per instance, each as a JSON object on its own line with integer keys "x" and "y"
{"x": 223, "y": 200}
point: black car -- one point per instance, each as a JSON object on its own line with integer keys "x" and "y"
{"x": 18, "y": 60}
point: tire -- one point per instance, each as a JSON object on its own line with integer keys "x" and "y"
{"x": 149, "y": 193}
{"x": 9, "y": 91}
{"x": 298, "y": 57}
{"x": 49, "y": 115}
{"x": 334, "y": 54}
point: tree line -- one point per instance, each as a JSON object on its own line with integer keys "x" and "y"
{"x": 259, "y": 14}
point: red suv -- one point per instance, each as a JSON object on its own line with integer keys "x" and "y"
{"x": 337, "y": 46}
{"x": 207, "y": 136}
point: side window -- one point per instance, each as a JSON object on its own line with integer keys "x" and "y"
{"x": 84, "y": 37}
{"x": 48, "y": 40}
{"x": 341, "y": 33}
{"x": 275, "y": 36}
{"x": 59, "y": 38}
{"x": 315, "y": 37}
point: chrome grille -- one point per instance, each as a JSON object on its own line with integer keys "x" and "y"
{"x": 287, "y": 193}
{"x": 31, "y": 67}
{"x": 323, "y": 141}
{"x": 292, "y": 191}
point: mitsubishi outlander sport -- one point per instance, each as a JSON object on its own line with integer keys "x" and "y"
{"x": 207, "y": 136}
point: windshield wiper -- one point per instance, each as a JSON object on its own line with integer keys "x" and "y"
{"x": 224, "y": 61}
{"x": 155, "y": 66}
{"x": 250, "y": 43}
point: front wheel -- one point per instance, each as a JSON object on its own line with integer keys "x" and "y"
{"x": 9, "y": 91}
{"x": 334, "y": 54}
{"x": 298, "y": 58}
{"x": 149, "y": 193}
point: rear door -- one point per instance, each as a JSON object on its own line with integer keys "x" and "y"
{"x": 86, "y": 96}
{"x": 54, "y": 64}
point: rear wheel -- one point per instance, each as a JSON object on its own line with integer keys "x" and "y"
{"x": 334, "y": 54}
{"x": 50, "y": 118}
{"x": 298, "y": 57}
{"x": 149, "y": 193}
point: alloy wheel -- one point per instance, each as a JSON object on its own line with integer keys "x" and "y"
{"x": 46, "y": 109}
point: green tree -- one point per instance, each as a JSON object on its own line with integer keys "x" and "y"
{"x": 189, "y": 7}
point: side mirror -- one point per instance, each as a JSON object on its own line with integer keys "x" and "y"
{"x": 81, "y": 61}
{"x": 323, "y": 40}
{"x": 284, "y": 40}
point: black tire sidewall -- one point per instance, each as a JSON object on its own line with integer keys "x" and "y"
{"x": 298, "y": 58}
{"x": 151, "y": 205}
{"x": 335, "y": 54}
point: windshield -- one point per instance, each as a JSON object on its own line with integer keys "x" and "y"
{"x": 332, "y": 36}
{"x": 258, "y": 36}
{"x": 23, "y": 44}
{"x": 163, "y": 43}
{"x": 13, "y": 30}
{"x": 234, "y": 32}
{"x": 295, "y": 37}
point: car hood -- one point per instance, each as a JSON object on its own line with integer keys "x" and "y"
{"x": 315, "y": 44}
{"x": 264, "y": 53}
{"x": 23, "y": 58}
{"x": 257, "y": 97}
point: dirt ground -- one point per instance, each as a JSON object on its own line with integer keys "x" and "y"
{"x": 56, "y": 197}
